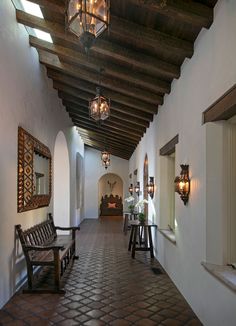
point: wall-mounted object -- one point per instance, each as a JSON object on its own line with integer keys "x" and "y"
{"x": 150, "y": 187}
{"x": 34, "y": 160}
{"x": 137, "y": 188}
{"x": 87, "y": 19}
{"x": 182, "y": 183}
{"x": 131, "y": 189}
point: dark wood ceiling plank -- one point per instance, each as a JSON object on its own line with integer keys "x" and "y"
{"x": 108, "y": 140}
{"x": 110, "y": 136}
{"x": 86, "y": 96}
{"x": 147, "y": 38}
{"x": 125, "y": 157}
{"x": 106, "y": 130}
{"x": 116, "y": 107}
{"x": 132, "y": 133}
{"x": 53, "y": 5}
{"x": 72, "y": 76}
{"x": 75, "y": 57}
{"x": 111, "y": 121}
{"x": 138, "y": 97}
{"x": 118, "y": 115}
{"x": 139, "y": 61}
{"x": 189, "y": 12}
{"x": 109, "y": 146}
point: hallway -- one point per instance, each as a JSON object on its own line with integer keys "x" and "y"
{"x": 105, "y": 287}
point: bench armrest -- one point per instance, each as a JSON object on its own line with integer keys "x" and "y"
{"x": 42, "y": 248}
{"x": 67, "y": 228}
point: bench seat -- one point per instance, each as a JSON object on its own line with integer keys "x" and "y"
{"x": 42, "y": 246}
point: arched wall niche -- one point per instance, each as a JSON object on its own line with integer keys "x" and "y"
{"x": 61, "y": 182}
{"x": 110, "y": 183}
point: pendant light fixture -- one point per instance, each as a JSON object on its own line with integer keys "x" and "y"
{"x": 99, "y": 106}
{"x": 105, "y": 157}
{"x": 87, "y": 19}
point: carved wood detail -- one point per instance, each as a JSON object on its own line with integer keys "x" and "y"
{"x": 27, "y": 146}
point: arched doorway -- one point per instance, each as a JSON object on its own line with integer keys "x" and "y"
{"x": 110, "y": 184}
{"x": 61, "y": 182}
{"x": 145, "y": 182}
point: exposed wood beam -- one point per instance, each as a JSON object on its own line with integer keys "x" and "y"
{"x": 146, "y": 36}
{"x": 110, "y": 125}
{"x": 86, "y": 96}
{"x": 108, "y": 145}
{"x": 110, "y": 136}
{"x": 89, "y": 84}
{"x": 125, "y": 157}
{"x": 53, "y": 5}
{"x": 79, "y": 113}
{"x": 109, "y": 140}
{"x": 116, "y": 107}
{"x": 187, "y": 11}
{"x": 113, "y": 114}
{"x": 125, "y": 94}
{"x": 106, "y": 131}
{"x": 102, "y": 47}
{"x": 75, "y": 57}
{"x": 143, "y": 37}
{"x": 84, "y": 111}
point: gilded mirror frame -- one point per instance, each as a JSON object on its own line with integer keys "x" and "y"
{"x": 27, "y": 147}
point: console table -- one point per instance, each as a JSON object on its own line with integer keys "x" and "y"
{"x": 141, "y": 238}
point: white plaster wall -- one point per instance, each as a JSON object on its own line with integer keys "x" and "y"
{"x": 204, "y": 78}
{"x": 76, "y": 145}
{"x": 27, "y": 98}
{"x": 93, "y": 172}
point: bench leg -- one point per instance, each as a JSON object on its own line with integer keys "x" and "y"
{"x": 57, "y": 271}
{"x": 30, "y": 276}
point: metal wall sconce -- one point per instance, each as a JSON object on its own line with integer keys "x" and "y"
{"x": 182, "y": 183}
{"x": 150, "y": 187}
{"x": 131, "y": 189}
{"x": 105, "y": 157}
{"x": 137, "y": 188}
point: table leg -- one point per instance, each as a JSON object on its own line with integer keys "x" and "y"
{"x": 131, "y": 238}
{"x": 150, "y": 241}
{"x": 134, "y": 240}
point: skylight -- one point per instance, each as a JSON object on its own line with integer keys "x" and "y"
{"x": 34, "y": 9}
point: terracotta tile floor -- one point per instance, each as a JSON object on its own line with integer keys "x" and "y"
{"x": 105, "y": 287}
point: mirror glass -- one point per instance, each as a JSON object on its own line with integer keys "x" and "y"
{"x": 41, "y": 175}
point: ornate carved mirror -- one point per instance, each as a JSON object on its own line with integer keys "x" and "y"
{"x": 34, "y": 173}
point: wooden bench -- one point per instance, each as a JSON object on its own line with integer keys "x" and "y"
{"x": 43, "y": 247}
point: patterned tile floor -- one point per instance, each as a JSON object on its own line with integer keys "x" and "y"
{"x": 105, "y": 287}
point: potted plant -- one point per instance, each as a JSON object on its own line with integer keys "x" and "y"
{"x": 142, "y": 218}
{"x": 131, "y": 208}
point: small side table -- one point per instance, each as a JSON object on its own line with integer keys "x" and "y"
{"x": 139, "y": 230}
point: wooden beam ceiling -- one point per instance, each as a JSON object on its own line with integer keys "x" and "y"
{"x": 140, "y": 56}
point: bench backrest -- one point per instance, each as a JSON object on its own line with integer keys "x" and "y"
{"x": 38, "y": 235}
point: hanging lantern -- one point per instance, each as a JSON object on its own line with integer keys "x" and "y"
{"x": 99, "y": 107}
{"x": 106, "y": 163}
{"x": 87, "y": 19}
{"x": 105, "y": 156}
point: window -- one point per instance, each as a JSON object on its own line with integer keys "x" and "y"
{"x": 167, "y": 191}
{"x": 221, "y": 192}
